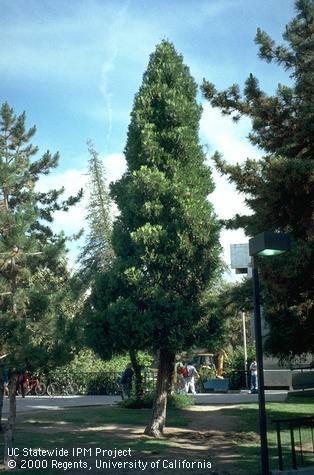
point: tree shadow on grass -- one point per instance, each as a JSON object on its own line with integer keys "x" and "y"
{"x": 115, "y": 428}
{"x": 227, "y": 436}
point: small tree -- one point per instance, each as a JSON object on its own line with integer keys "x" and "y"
{"x": 166, "y": 237}
{"x": 279, "y": 188}
{"x": 96, "y": 272}
{"x": 112, "y": 323}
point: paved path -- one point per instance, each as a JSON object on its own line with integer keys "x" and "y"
{"x": 239, "y": 398}
{"x": 37, "y": 403}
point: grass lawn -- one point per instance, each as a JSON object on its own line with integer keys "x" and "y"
{"x": 91, "y": 427}
{"x": 88, "y": 424}
{"x": 96, "y": 415}
{"x": 190, "y": 435}
{"x": 250, "y": 452}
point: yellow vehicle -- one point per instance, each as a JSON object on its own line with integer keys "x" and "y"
{"x": 207, "y": 367}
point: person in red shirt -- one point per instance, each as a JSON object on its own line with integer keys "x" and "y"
{"x": 23, "y": 382}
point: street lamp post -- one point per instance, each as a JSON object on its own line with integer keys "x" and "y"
{"x": 264, "y": 244}
{"x": 260, "y": 369}
{"x": 245, "y": 349}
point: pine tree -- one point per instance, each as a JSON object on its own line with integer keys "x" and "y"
{"x": 166, "y": 237}
{"x": 279, "y": 188}
{"x": 97, "y": 254}
{"x": 27, "y": 245}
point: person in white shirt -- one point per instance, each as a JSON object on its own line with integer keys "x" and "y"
{"x": 253, "y": 370}
{"x": 190, "y": 380}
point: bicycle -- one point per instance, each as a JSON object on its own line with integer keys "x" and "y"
{"x": 113, "y": 388}
{"x": 61, "y": 389}
{"x": 33, "y": 386}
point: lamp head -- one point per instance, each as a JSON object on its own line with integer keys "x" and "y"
{"x": 269, "y": 244}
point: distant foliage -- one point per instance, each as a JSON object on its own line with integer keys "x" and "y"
{"x": 97, "y": 253}
{"x": 86, "y": 361}
{"x": 235, "y": 360}
{"x": 91, "y": 373}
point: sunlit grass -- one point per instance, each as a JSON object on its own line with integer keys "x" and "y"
{"x": 249, "y": 417}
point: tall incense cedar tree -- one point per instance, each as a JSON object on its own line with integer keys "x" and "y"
{"x": 279, "y": 187}
{"x": 166, "y": 237}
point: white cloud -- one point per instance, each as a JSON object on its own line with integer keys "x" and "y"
{"x": 115, "y": 166}
{"x": 73, "y": 180}
{"x": 229, "y": 139}
{"x": 108, "y": 66}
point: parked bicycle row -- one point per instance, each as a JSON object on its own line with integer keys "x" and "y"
{"x": 36, "y": 386}
{"x": 95, "y": 383}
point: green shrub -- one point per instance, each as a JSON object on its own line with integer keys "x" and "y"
{"x": 94, "y": 384}
{"x": 145, "y": 402}
{"x": 180, "y": 400}
{"x": 175, "y": 401}
{"x": 236, "y": 358}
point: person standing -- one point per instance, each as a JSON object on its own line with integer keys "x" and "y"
{"x": 126, "y": 380}
{"x": 23, "y": 383}
{"x": 253, "y": 370}
{"x": 181, "y": 374}
{"x": 190, "y": 379}
{"x": 6, "y": 382}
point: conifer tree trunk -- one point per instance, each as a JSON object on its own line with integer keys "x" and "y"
{"x": 156, "y": 424}
{"x": 138, "y": 375}
{"x": 10, "y": 424}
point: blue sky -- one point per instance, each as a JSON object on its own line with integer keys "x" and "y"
{"x": 75, "y": 65}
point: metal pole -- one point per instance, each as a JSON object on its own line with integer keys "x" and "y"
{"x": 293, "y": 454}
{"x": 245, "y": 349}
{"x": 260, "y": 370}
{"x": 280, "y": 461}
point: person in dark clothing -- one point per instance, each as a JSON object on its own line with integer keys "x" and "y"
{"x": 22, "y": 382}
{"x": 126, "y": 380}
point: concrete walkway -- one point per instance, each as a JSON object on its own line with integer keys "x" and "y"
{"x": 239, "y": 398}
{"x": 38, "y": 403}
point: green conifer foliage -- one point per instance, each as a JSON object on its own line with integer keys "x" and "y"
{"x": 97, "y": 254}
{"x": 27, "y": 245}
{"x": 35, "y": 303}
{"x": 279, "y": 188}
{"x": 166, "y": 237}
